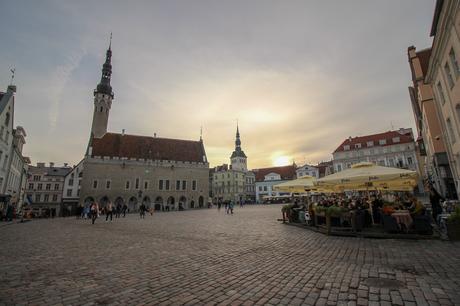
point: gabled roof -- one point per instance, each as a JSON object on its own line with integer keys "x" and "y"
{"x": 363, "y": 140}
{"x": 285, "y": 172}
{"x": 145, "y": 147}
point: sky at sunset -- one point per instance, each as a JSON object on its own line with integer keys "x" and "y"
{"x": 299, "y": 76}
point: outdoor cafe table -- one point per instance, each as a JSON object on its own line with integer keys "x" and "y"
{"x": 402, "y": 217}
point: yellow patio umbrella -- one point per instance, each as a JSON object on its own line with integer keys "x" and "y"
{"x": 300, "y": 185}
{"x": 368, "y": 176}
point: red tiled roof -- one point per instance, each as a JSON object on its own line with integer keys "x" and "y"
{"x": 223, "y": 167}
{"x": 144, "y": 147}
{"x": 388, "y": 136}
{"x": 286, "y": 172}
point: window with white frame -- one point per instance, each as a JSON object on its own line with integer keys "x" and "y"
{"x": 449, "y": 76}
{"x": 94, "y": 184}
{"x": 451, "y": 130}
{"x": 454, "y": 62}
{"x": 441, "y": 93}
{"x": 382, "y": 142}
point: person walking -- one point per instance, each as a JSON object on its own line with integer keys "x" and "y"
{"x": 142, "y": 210}
{"x": 118, "y": 210}
{"x": 109, "y": 212}
{"x": 124, "y": 209}
{"x": 219, "y": 204}
{"x": 94, "y": 212}
{"x": 230, "y": 207}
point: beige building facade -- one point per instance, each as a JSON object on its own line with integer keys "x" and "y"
{"x": 234, "y": 182}
{"x": 164, "y": 174}
{"x": 44, "y": 189}
{"x": 432, "y": 155}
{"x": 444, "y": 74}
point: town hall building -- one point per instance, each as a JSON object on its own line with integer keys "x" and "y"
{"x": 165, "y": 174}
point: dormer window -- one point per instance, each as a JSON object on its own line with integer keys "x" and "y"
{"x": 382, "y": 142}
{"x": 358, "y": 146}
{"x": 346, "y": 147}
{"x": 396, "y": 139}
{"x": 370, "y": 143}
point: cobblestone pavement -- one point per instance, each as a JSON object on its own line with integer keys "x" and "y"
{"x": 207, "y": 257}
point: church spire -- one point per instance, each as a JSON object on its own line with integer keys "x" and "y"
{"x": 104, "y": 86}
{"x": 237, "y": 141}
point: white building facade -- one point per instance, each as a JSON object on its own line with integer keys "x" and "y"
{"x": 307, "y": 170}
{"x": 234, "y": 182}
{"x": 72, "y": 185}
{"x": 390, "y": 149}
{"x": 266, "y": 178}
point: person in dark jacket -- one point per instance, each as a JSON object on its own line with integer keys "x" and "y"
{"x": 435, "y": 199}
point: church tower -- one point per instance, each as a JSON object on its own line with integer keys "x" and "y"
{"x": 103, "y": 96}
{"x": 238, "y": 158}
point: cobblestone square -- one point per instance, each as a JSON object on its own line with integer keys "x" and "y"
{"x": 203, "y": 257}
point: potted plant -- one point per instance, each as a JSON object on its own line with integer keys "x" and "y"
{"x": 453, "y": 225}
{"x": 334, "y": 211}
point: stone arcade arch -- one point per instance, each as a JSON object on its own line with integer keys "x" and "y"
{"x": 170, "y": 204}
{"x": 192, "y": 204}
{"x": 120, "y": 201}
{"x": 201, "y": 202}
{"x": 146, "y": 201}
{"x": 88, "y": 201}
{"x": 159, "y": 204}
{"x": 103, "y": 202}
{"x": 182, "y": 203}
{"x": 132, "y": 204}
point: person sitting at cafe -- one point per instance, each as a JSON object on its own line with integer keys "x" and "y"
{"x": 417, "y": 208}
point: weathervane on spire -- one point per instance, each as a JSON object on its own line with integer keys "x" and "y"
{"x": 110, "y": 44}
{"x": 12, "y": 75}
{"x": 201, "y": 132}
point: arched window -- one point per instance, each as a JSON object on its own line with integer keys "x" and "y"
{"x": 7, "y": 119}
{"x": 101, "y": 109}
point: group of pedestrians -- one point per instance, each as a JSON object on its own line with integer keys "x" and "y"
{"x": 227, "y": 205}
{"x": 93, "y": 211}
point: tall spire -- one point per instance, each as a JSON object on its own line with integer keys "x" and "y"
{"x": 237, "y": 141}
{"x": 104, "y": 85}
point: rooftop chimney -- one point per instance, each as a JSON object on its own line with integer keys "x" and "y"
{"x": 65, "y": 164}
{"x": 40, "y": 165}
{"x": 123, "y": 132}
{"x": 155, "y": 135}
{"x": 51, "y": 164}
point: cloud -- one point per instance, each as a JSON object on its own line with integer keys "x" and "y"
{"x": 299, "y": 76}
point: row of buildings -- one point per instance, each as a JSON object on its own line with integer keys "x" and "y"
{"x": 174, "y": 174}
{"x": 13, "y": 165}
{"x": 162, "y": 173}
{"x": 435, "y": 99}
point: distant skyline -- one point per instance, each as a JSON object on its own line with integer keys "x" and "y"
{"x": 299, "y": 76}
